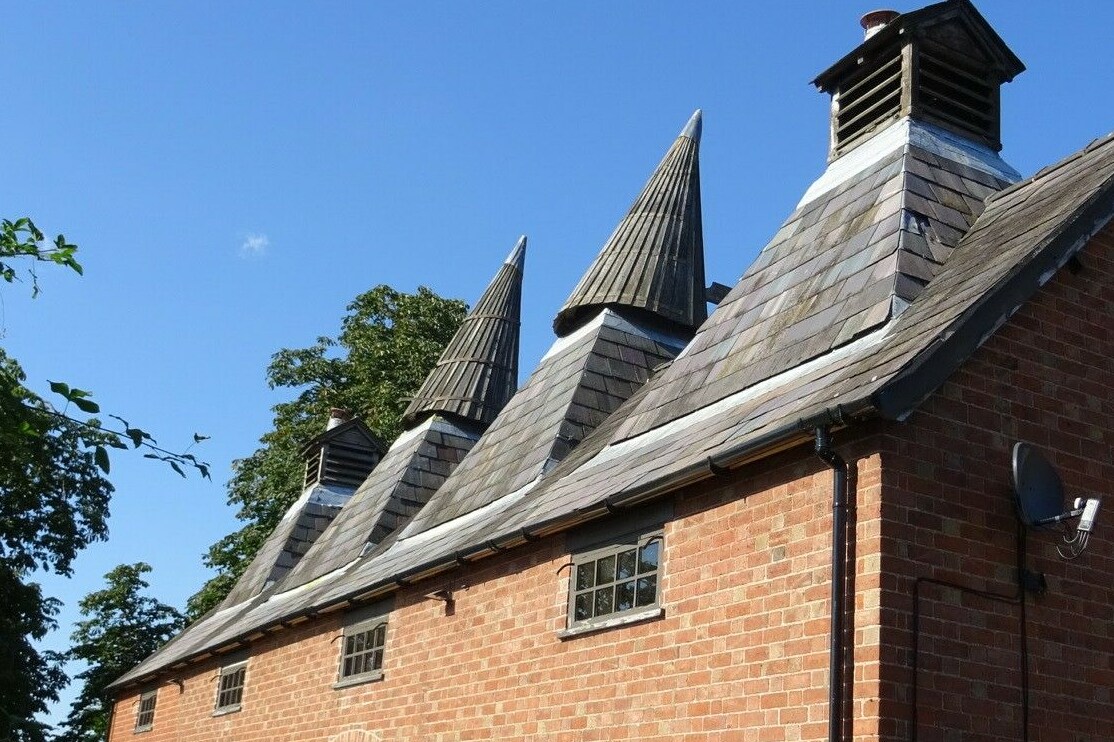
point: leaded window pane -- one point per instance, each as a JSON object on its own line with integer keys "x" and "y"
{"x": 605, "y": 602}
{"x": 625, "y": 568}
{"x": 605, "y": 570}
{"x": 584, "y": 574}
{"x": 363, "y": 650}
{"x": 583, "y": 607}
{"x": 624, "y": 596}
{"x": 647, "y": 590}
{"x": 614, "y": 580}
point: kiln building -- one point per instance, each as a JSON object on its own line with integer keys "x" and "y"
{"x": 789, "y": 520}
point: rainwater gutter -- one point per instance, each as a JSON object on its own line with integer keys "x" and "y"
{"x": 838, "y": 465}
{"x": 775, "y": 441}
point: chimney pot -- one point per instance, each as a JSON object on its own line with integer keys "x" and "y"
{"x": 337, "y": 416}
{"x": 876, "y": 20}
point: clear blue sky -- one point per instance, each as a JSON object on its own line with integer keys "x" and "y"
{"x": 235, "y": 173}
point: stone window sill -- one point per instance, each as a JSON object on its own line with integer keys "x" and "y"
{"x": 226, "y": 710}
{"x": 370, "y": 677}
{"x": 648, "y": 614}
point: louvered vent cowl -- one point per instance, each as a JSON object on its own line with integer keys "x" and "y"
{"x": 942, "y": 64}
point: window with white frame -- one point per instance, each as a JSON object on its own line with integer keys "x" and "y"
{"x": 617, "y": 580}
{"x": 230, "y": 687}
{"x": 145, "y": 711}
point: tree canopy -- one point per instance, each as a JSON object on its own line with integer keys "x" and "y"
{"x": 122, "y": 626}
{"x": 389, "y": 341}
{"x": 54, "y": 497}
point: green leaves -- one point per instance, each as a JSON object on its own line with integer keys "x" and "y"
{"x": 54, "y": 503}
{"x": 121, "y": 626}
{"x": 100, "y": 456}
{"x": 79, "y": 397}
{"x": 22, "y": 240}
{"x": 388, "y": 343}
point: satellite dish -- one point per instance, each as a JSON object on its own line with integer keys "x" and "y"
{"x": 1040, "y": 500}
{"x": 1040, "y": 495}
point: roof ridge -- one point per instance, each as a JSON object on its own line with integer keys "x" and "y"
{"x": 1048, "y": 169}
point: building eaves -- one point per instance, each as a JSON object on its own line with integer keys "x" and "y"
{"x": 353, "y": 427}
{"x": 906, "y": 24}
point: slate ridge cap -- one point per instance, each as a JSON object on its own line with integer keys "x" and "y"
{"x": 1047, "y": 170}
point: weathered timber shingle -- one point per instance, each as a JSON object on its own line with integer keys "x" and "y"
{"x": 478, "y": 372}
{"x": 654, "y": 260}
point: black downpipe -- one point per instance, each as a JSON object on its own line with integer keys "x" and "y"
{"x": 839, "y": 578}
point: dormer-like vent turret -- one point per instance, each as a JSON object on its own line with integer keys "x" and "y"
{"x": 942, "y": 64}
{"x": 343, "y": 455}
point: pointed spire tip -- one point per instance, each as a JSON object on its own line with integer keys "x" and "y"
{"x": 517, "y": 258}
{"x": 694, "y": 126}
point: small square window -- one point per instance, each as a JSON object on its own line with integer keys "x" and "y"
{"x": 145, "y": 712}
{"x": 617, "y": 580}
{"x": 230, "y": 689}
{"x": 361, "y": 657}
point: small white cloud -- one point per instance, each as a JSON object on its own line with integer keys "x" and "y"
{"x": 254, "y": 245}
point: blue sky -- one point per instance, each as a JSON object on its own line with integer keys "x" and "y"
{"x": 235, "y": 173}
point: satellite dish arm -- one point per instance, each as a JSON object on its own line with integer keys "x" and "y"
{"x": 1061, "y": 517}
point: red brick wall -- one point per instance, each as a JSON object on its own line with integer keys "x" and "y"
{"x": 740, "y": 654}
{"x": 1046, "y": 377}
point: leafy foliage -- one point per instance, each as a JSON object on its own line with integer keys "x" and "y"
{"x": 53, "y": 497}
{"x": 121, "y": 628}
{"x": 22, "y": 239}
{"x": 388, "y": 343}
{"x": 54, "y": 503}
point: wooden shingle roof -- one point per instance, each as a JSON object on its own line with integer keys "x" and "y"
{"x": 654, "y": 260}
{"x": 478, "y": 372}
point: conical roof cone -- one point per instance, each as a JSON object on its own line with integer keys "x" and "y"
{"x": 654, "y": 260}
{"x": 478, "y": 372}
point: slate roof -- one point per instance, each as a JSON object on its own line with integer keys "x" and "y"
{"x": 654, "y": 260}
{"x": 846, "y": 261}
{"x": 478, "y": 371}
{"x": 575, "y": 387}
{"x": 1023, "y": 236}
{"x": 337, "y": 455}
{"x": 472, "y": 381}
{"x": 299, "y": 528}
{"x": 416, "y": 465}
